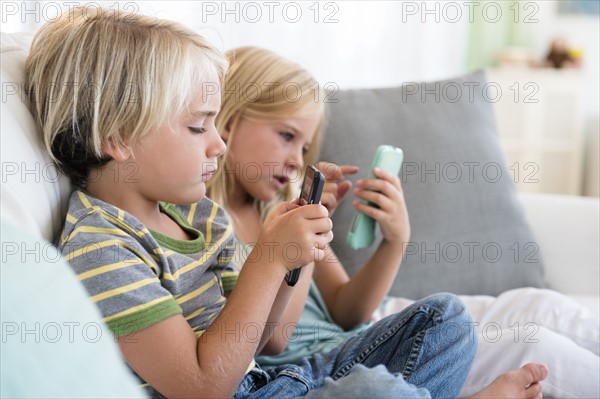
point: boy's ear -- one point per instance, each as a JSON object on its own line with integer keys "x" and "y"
{"x": 118, "y": 152}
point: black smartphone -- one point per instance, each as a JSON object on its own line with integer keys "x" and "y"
{"x": 312, "y": 187}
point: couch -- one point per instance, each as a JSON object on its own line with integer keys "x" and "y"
{"x": 472, "y": 232}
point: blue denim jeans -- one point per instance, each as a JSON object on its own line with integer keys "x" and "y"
{"x": 427, "y": 351}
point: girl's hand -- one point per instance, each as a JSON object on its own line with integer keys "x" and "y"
{"x": 336, "y": 187}
{"x": 389, "y": 207}
{"x": 294, "y": 235}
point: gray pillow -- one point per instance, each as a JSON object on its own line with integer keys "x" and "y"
{"x": 469, "y": 232}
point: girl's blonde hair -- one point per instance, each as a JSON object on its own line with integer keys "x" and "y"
{"x": 96, "y": 76}
{"x": 262, "y": 86}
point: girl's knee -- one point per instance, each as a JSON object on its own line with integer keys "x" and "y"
{"x": 449, "y": 307}
{"x": 453, "y": 319}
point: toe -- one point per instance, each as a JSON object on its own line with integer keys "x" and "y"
{"x": 533, "y": 372}
{"x": 534, "y": 391}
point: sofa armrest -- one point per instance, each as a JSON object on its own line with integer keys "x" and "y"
{"x": 567, "y": 231}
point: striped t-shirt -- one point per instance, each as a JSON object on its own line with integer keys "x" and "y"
{"x": 138, "y": 277}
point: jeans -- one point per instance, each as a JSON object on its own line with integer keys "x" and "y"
{"x": 427, "y": 350}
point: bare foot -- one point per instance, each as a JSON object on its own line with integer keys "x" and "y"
{"x": 516, "y": 384}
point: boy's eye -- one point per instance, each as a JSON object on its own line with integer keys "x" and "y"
{"x": 287, "y": 136}
{"x": 197, "y": 130}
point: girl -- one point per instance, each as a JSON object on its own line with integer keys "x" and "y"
{"x": 274, "y": 137}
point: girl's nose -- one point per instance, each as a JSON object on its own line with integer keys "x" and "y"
{"x": 296, "y": 159}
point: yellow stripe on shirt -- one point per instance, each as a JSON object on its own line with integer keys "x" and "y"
{"x": 190, "y": 217}
{"x": 209, "y": 222}
{"x": 123, "y": 289}
{"x": 229, "y": 274}
{"x": 108, "y": 268}
{"x": 71, "y": 219}
{"x": 99, "y": 230}
{"x": 194, "y": 314}
{"x": 121, "y": 223}
{"x": 99, "y": 245}
{"x": 84, "y": 200}
{"x": 197, "y": 292}
{"x": 119, "y": 220}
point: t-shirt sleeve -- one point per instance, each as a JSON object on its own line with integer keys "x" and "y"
{"x": 228, "y": 267}
{"x": 120, "y": 275}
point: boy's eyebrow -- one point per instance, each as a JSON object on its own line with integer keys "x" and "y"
{"x": 196, "y": 114}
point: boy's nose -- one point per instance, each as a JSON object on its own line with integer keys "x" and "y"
{"x": 217, "y": 146}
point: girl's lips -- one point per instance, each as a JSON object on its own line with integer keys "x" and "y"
{"x": 280, "y": 181}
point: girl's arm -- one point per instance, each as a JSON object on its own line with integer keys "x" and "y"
{"x": 353, "y": 301}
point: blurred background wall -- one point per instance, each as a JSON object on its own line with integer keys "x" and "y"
{"x": 548, "y": 115}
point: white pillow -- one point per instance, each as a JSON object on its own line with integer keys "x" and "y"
{"x": 34, "y": 194}
{"x": 54, "y": 342}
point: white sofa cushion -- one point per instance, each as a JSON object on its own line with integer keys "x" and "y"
{"x": 34, "y": 194}
{"x": 568, "y": 231}
{"x": 54, "y": 342}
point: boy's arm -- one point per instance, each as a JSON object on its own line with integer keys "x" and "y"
{"x": 179, "y": 364}
{"x": 156, "y": 340}
{"x": 285, "y": 314}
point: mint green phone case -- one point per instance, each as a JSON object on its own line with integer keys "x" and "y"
{"x": 362, "y": 228}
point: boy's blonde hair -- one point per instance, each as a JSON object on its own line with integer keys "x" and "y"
{"x": 95, "y": 76}
{"x": 262, "y": 86}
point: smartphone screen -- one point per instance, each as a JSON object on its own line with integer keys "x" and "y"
{"x": 307, "y": 186}
{"x": 312, "y": 187}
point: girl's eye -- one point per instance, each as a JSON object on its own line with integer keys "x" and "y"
{"x": 287, "y": 136}
{"x": 197, "y": 130}
{"x": 305, "y": 150}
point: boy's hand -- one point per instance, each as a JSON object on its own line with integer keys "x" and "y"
{"x": 336, "y": 187}
{"x": 295, "y": 235}
{"x": 390, "y": 208}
